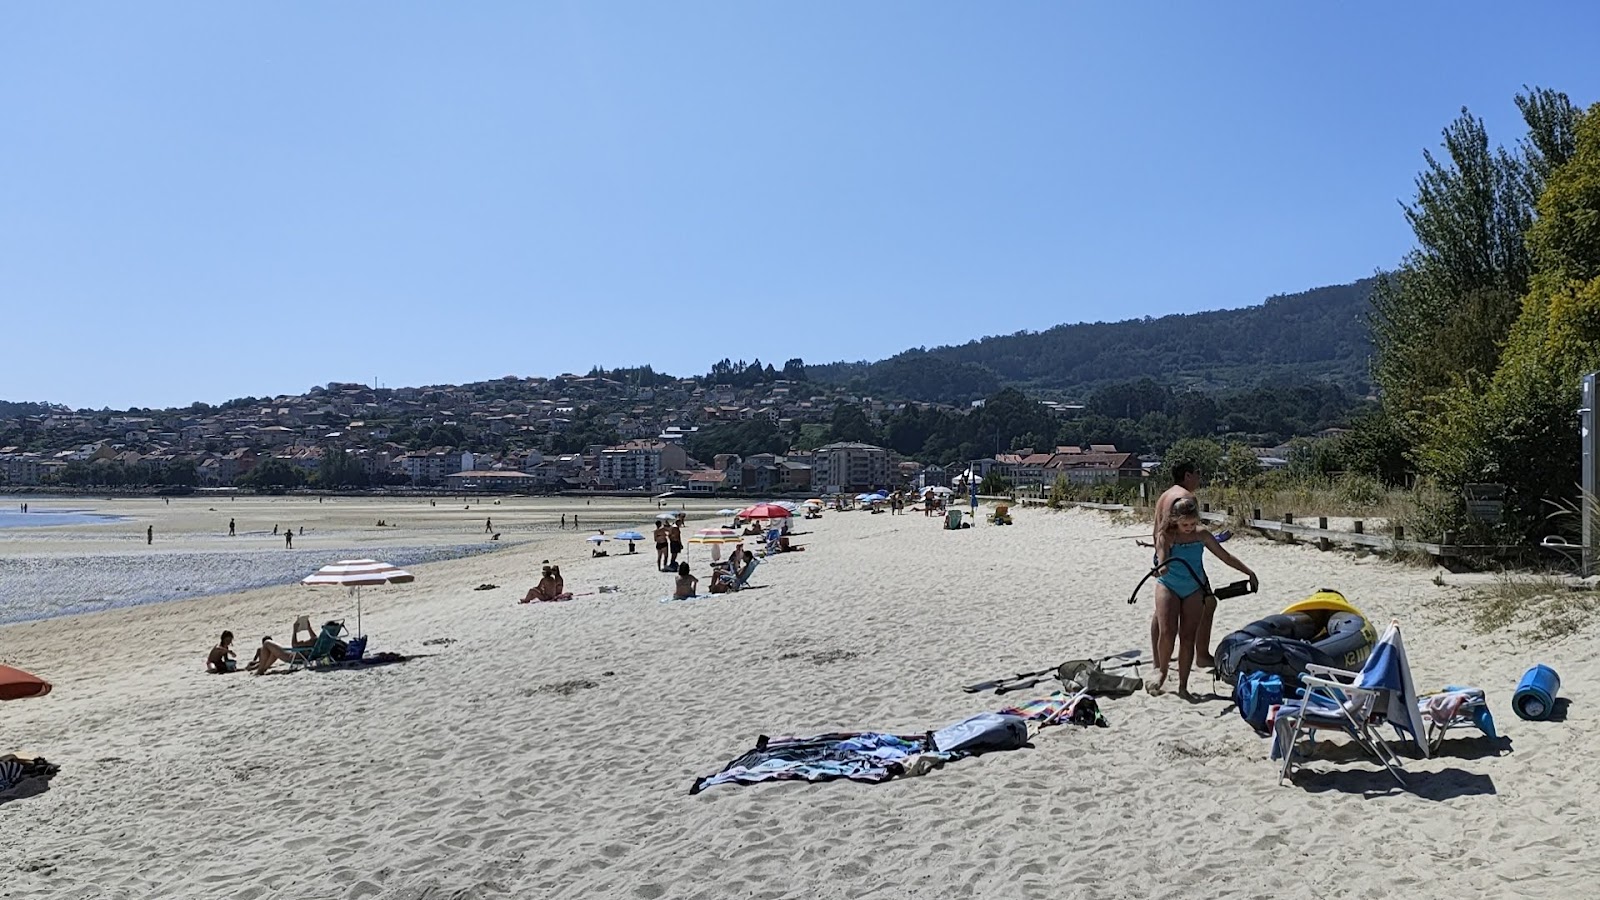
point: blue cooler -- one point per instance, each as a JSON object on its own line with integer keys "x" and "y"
{"x": 1535, "y": 698}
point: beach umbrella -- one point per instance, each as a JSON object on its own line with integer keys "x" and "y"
{"x": 791, "y": 507}
{"x": 816, "y": 500}
{"x": 727, "y": 512}
{"x": 597, "y": 538}
{"x": 356, "y": 574}
{"x": 716, "y": 537}
{"x": 765, "y": 511}
{"x": 629, "y": 536}
{"x": 938, "y": 489}
{"x": 16, "y": 684}
{"x": 666, "y": 515}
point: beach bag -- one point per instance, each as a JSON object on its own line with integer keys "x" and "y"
{"x": 982, "y": 733}
{"x": 1086, "y": 675}
{"x": 1255, "y": 695}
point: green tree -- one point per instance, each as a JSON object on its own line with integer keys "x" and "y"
{"x": 994, "y": 484}
{"x": 1522, "y": 430}
{"x": 1239, "y": 466}
{"x": 1203, "y": 453}
{"x": 850, "y": 424}
{"x": 1441, "y": 318}
{"x": 273, "y": 473}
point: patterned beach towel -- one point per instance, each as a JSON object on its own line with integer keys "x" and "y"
{"x": 869, "y": 757}
{"x": 1076, "y": 707}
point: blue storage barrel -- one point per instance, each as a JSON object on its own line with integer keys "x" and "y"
{"x": 1535, "y": 698}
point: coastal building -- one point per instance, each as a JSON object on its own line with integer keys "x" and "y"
{"x": 640, "y": 463}
{"x": 849, "y": 466}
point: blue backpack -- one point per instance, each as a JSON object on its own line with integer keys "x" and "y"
{"x": 1255, "y": 694}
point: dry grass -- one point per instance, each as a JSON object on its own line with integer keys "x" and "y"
{"x": 1538, "y": 607}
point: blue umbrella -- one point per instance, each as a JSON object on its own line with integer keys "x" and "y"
{"x": 629, "y": 536}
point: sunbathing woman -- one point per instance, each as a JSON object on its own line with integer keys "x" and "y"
{"x": 1181, "y": 598}
{"x": 686, "y": 583}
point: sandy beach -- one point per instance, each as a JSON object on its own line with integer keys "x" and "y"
{"x": 546, "y": 750}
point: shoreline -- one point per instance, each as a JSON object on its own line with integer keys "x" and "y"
{"x": 244, "y": 571}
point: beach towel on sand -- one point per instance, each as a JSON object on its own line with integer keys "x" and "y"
{"x": 14, "y": 769}
{"x": 859, "y": 756}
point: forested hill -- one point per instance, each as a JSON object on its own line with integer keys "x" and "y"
{"x": 1319, "y": 334}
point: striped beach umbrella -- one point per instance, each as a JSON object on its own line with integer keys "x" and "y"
{"x": 716, "y": 537}
{"x": 356, "y": 574}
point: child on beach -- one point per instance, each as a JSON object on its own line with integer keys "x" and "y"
{"x": 221, "y": 660}
{"x": 686, "y": 584}
{"x": 1182, "y": 594}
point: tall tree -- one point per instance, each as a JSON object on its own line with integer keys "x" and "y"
{"x": 1441, "y": 318}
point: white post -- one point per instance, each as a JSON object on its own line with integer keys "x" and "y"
{"x": 1591, "y": 471}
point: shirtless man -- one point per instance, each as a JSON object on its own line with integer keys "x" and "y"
{"x": 1185, "y": 481}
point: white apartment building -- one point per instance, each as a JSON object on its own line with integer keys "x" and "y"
{"x": 849, "y": 466}
{"x": 641, "y": 463}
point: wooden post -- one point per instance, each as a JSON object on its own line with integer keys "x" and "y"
{"x": 1322, "y": 522}
{"x": 1288, "y": 518}
{"x": 1449, "y": 539}
{"x": 1205, "y": 507}
{"x": 1399, "y": 533}
{"x": 1255, "y": 514}
{"x": 1361, "y": 528}
{"x": 1230, "y": 512}
{"x": 1323, "y": 543}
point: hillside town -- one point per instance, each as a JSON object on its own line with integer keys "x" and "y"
{"x": 509, "y": 435}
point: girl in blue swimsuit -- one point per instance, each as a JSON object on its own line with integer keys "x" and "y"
{"x": 1181, "y": 593}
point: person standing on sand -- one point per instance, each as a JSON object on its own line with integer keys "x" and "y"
{"x": 674, "y": 541}
{"x": 1185, "y": 481}
{"x": 149, "y": 535}
{"x": 660, "y": 537}
{"x": 1182, "y": 595}
{"x": 488, "y": 524}
{"x": 288, "y": 539}
{"x": 230, "y": 528}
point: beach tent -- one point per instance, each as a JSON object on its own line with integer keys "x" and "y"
{"x": 16, "y": 684}
{"x": 356, "y": 574}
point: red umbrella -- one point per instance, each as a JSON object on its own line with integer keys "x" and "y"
{"x": 765, "y": 511}
{"x": 16, "y": 684}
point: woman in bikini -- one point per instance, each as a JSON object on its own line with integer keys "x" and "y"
{"x": 1181, "y": 592}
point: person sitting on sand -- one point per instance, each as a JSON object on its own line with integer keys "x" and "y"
{"x": 1181, "y": 593}
{"x": 221, "y": 660}
{"x": 549, "y": 589}
{"x": 686, "y": 584}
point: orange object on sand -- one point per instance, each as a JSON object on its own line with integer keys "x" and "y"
{"x": 16, "y": 684}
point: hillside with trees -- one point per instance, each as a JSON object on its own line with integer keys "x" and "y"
{"x": 1320, "y": 334}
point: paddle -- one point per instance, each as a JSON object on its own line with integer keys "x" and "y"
{"x": 1004, "y": 684}
{"x": 1233, "y": 589}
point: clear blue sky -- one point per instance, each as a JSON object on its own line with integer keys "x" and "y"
{"x": 202, "y": 201}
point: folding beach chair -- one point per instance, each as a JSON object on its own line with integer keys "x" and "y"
{"x": 736, "y": 581}
{"x": 1355, "y": 703}
{"x": 770, "y": 543}
{"x": 320, "y": 651}
{"x": 1454, "y": 707}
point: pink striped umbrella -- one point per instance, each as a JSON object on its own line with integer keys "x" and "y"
{"x": 356, "y": 574}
